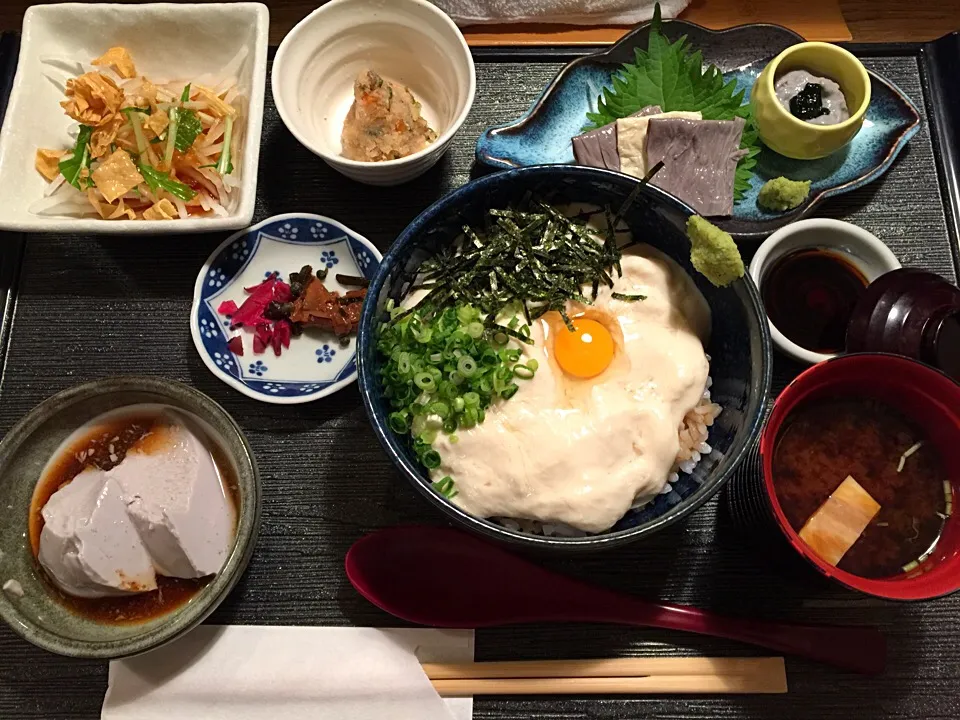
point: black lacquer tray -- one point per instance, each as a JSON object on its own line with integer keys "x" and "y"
{"x": 78, "y": 308}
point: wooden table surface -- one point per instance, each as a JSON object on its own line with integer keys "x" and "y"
{"x": 859, "y": 20}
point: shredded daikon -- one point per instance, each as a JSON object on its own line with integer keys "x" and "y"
{"x": 114, "y": 139}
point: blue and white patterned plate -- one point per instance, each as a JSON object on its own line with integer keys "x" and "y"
{"x": 315, "y": 365}
{"x": 542, "y": 136}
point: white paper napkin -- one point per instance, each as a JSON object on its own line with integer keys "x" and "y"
{"x": 243, "y": 672}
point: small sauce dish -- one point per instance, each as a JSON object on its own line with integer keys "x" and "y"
{"x": 410, "y": 42}
{"x": 798, "y": 139}
{"x": 848, "y": 245}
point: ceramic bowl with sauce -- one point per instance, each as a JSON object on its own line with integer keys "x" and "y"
{"x": 411, "y": 42}
{"x": 811, "y": 275}
{"x": 893, "y": 425}
{"x": 796, "y": 138}
{"x": 39, "y": 455}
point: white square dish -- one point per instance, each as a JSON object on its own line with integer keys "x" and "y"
{"x": 167, "y": 41}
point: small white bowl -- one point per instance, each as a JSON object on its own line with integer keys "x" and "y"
{"x": 408, "y": 41}
{"x": 862, "y": 249}
{"x": 168, "y": 42}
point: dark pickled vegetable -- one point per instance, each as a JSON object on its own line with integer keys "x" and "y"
{"x": 808, "y": 103}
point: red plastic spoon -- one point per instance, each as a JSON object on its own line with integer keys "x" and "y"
{"x": 446, "y": 578}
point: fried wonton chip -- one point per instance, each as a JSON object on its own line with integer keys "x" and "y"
{"x": 218, "y": 107}
{"x": 116, "y": 175}
{"x": 156, "y": 123}
{"x": 119, "y": 59}
{"x": 108, "y": 211}
{"x": 104, "y": 135}
{"x": 161, "y": 210}
{"x": 146, "y": 95}
{"x": 93, "y": 99}
{"x": 47, "y": 163}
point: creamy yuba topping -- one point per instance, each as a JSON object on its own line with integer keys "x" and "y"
{"x": 162, "y": 510}
{"x": 583, "y": 451}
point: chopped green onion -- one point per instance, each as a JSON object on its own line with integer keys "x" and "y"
{"x": 424, "y": 381}
{"x": 398, "y": 423}
{"x": 466, "y": 366}
{"x": 523, "y": 371}
{"x": 437, "y": 378}
{"x": 445, "y": 487}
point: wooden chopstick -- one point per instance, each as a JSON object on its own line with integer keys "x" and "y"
{"x": 636, "y": 676}
{"x": 609, "y": 667}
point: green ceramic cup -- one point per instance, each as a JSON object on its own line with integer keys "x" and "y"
{"x": 38, "y": 615}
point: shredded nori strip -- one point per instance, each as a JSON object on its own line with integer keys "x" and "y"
{"x": 532, "y": 253}
{"x": 627, "y": 297}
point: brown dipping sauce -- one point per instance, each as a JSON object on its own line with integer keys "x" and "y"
{"x": 824, "y": 441}
{"x": 104, "y": 446}
{"x": 809, "y": 296}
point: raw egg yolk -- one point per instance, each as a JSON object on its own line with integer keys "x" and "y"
{"x": 585, "y": 352}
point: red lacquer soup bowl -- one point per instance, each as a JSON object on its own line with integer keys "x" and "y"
{"x": 931, "y": 401}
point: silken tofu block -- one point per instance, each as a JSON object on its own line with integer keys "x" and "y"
{"x": 632, "y": 139}
{"x": 839, "y": 522}
{"x": 699, "y": 160}
{"x": 598, "y": 148}
{"x": 88, "y": 544}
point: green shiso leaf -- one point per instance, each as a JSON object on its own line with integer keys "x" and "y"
{"x": 673, "y": 76}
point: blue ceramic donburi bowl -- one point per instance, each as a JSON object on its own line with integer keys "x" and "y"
{"x": 740, "y": 345}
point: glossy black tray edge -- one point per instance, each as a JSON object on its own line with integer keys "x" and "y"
{"x": 11, "y": 244}
{"x": 935, "y": 59}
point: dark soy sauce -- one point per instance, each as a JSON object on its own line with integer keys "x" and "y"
{"x": 809, "y": 296}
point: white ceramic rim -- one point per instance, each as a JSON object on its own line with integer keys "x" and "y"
{"x": 440, "y": 142}
{"x": 195, "y": 310}
{"x": 855, "y": 233}
{"x": 251, "y": 152}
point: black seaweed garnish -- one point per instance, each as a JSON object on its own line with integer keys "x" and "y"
{"x": 808, "y": 103}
